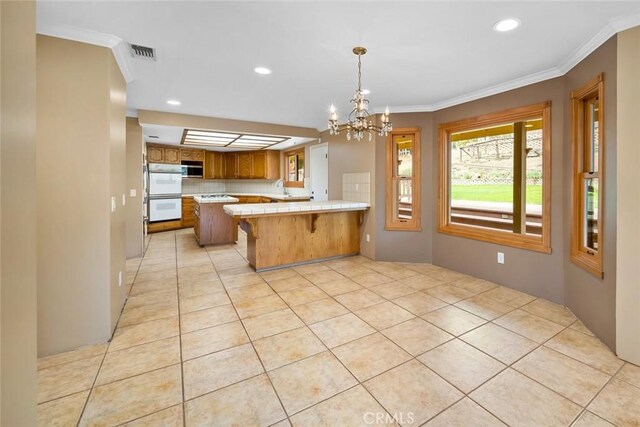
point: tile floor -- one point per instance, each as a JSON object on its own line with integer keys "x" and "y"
{"x": 204, "y": 340}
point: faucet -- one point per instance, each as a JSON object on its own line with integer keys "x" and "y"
{"x": 280, "y": 184}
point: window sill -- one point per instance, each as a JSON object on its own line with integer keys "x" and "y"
{"x": 530, "y": 243}
{"x": 588, "y": 263}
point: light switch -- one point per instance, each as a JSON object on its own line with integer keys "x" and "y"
{"x": 113, "y": 204}
{"x": 132, "y": 192}
{"x": 124, "y": 200}
{"x": 500, "y": 257}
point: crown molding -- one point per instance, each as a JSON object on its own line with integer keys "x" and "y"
{"x": 117, "y": 45}
{"x": 571, "y": 61}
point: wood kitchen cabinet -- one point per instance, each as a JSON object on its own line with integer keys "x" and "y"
{"x": 188, "y": 218}
{"x": 244, "y": 165}
{"x": 214, "y": 165}
{"x": 230, "y": 165}
{"x": 163, "y": 154}
{"x": 191, "y": 154}
{"x": 265, "y": 164}
{"x": 172, "y": 155}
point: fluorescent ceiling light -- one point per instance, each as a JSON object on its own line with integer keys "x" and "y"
{"x": 262, "y": 70}
{"x": 218, "y": 134}
{"x": 507, "y": 24}
{"x": 230, "y": 140}
{"x": 174, "y": 102}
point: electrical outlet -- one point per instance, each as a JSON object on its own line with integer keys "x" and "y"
{"x": 132, "y": 192}
{"x": 113, "y": 204}
{"x": 119, "y": 278}
{"x": 357, "y": 186}
{"x": 368, "y": 237}
{"x": 500, "y": 257}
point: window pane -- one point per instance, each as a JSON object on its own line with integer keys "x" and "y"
{"x": 482, "y": 177}
{"x": 592, "y": 136}
{"x": 590, "y": 237}
{"x": 403, "y": 146}
{"x": 403, "y": 157}
{"x": 291, "y": 168}
{"x": 534, "y": 163}
{"x": 403, "y": 196}
{"x": 300, "y": 167}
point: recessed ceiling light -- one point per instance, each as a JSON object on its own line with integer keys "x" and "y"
{"x": 173, "y": 102}
{"x": 262, "y": 70}
{"x": 507, "y": 24}
{"x": 366, "y": 91}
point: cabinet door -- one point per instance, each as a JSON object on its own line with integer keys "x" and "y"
{"x": 230, "y": 165}
{"x": 172, "y": 155}
{"x": 188, "y": 217}
{"x": 244, "y": 165}
{"x": 218, "y": 166}
{"x": 273, "y": 164}
{"x": 209, "y": 165}
{"x": 155, "y": 154}
{"x": 259, "y": 165}
{"x": 185, "y": 154}
{"x": 197, "y": 155}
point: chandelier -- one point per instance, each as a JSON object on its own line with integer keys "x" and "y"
{"x": 359, "y": 121}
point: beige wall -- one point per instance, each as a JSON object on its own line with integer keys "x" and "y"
{"x": 593, "y": 299}
{"x": 351, "y": 157}
{"x": 628, "y": 202}
{"x": 80, "y": 146}
{"x": 18, "y": 213}
{"x": 134, "y": 213}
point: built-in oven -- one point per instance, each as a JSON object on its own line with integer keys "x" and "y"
{"x": 165, "y": 192}
{"x": 165, "y": 208}
{"x": 192, "y": 169}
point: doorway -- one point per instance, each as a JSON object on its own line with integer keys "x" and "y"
{"x": 319, "y": 173}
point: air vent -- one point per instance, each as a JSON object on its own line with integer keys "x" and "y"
{"x": 143, "y": 52}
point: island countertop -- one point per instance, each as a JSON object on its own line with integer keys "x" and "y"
{"x": 204, "y": 199}
{"x": 252, "y": 210}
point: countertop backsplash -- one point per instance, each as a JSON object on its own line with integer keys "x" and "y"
{"x": 230, "y": 186}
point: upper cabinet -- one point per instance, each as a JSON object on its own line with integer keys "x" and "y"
{"x": 214, "y": 165}
{"x": 265, "y": 164}
{"x": 163, "y": 154}
{"x": 191, "y": 154}
{"x": 231, "y": 165}
{"x": 244, "y": 165}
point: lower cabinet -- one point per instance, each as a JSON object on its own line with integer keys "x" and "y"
{"x": 188, "y": 217}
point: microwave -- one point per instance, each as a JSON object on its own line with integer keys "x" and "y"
{"x": 192, "y": 169}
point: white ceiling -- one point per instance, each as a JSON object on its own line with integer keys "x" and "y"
{"x": 422, "y": 55}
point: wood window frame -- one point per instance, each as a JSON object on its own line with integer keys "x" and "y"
{"x": 500, "y": 237}
{"x": 391, "y": 223}
{"x": 586, "y": 258}
{"x": 287, "y": 183}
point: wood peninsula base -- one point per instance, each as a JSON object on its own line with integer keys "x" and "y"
{"x": 282, "y": 239}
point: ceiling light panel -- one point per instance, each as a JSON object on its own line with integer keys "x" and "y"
{"x": 230, "y": 140}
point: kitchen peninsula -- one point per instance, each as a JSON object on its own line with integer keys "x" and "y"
{"x": 296, "y": 232}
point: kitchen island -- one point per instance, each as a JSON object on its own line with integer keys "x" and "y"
{"x": 211, "y": 225}
{"x": 296, "y": 232}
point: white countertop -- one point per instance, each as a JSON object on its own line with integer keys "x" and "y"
{"x": 201, "y": 199}
{"x": 266, "y": 195}
{"x": 251, "y": 209}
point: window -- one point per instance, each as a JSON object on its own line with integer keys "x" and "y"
{"x": 588, "y": 175}
{"x": 403, "y": 180}
{"x": 495, "y": 178}
{"x": 294, "y": 176}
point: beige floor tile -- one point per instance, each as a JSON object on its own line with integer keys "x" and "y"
{"x": 342, "y": 329}
{"x": 62, "y": 412}
{"x": 251, "y": 402}
{"x": 392, "y": 290}
{"x": 354, "y": 407}
{"x": 550, "y": 311}
{"x": 188, "y": 290}
{"x": 250, "y": 292}
{"x": 258, "y": 306}
{"x": 454, "y": 320}
{"x": 232, "y": 282}
{"x": 320, "y": 310}
{"x": 509, "y": 296}
{"x": 384, "y": 315}
{"x": 206, "y": 318}
{"x": 281, "y": 273}
{"x": 421, "y": 282}
{"x": 210, "y": 340}
{"x": 484, "y": 307}
{"x": 450, "y": 293}
{"x": 564, "y": 375}
{"x": 150, "y": 298}
{"x": 618, "y": 403}
{"x": 157, "y": 275}
{"x": 134, "y": 397}
{"x": 217, "y": 370}
{"x": 201, "y": 302}
{"x": 447, "y": 275}
{"x": 144, "y": 332}
{"x": 461, "y": 364}
{"x": 311, "y": 268}
{"x": 588, "y": 419}
{"x": 359, "y": 299}
{"x": 354, "y": 270}
{"x": 580, "y": 327}
{"x": 518, "y": 400}
{"x": 324, "y": 276}
{"x": 463, "y": 414}
{"x": 500, "y": 343}
{"x": 309, "y": 381}
{"x": 290, "y": 283}
{"x": 69, "y": 378}
{"x": 303, "y": 295}
{"x": 283, "y": 423}
{"x": 71, "y": 356}
{"x": 288, "y": 347}
{"x": 148, "y": 312}
{"x": 412, "y": 392}
{"x": 141, "y": 288}
{"x": 370, "y": 279}
{"x": 371, "y": 355}
{"x": 339, "y": 286}
{"x": 532, "y": 327}
{"x": 397, "y": 272}
{"x": 629, "y": 373}
{"x": 419, "y": 303}
{"x": 475, "y": 285}
{"x": 416, "y": 336}
{"x": 586, "y": 349}
{"x": 170, "y": 417}
{"x": 137, "y": 360}
{"x": 271, "y": 323}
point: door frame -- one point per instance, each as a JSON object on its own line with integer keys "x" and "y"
{"x": 311, "y": 148}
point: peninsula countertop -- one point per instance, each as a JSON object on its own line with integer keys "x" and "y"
{"x": 274, "y": 196}
{"x": 251, "y": 210}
